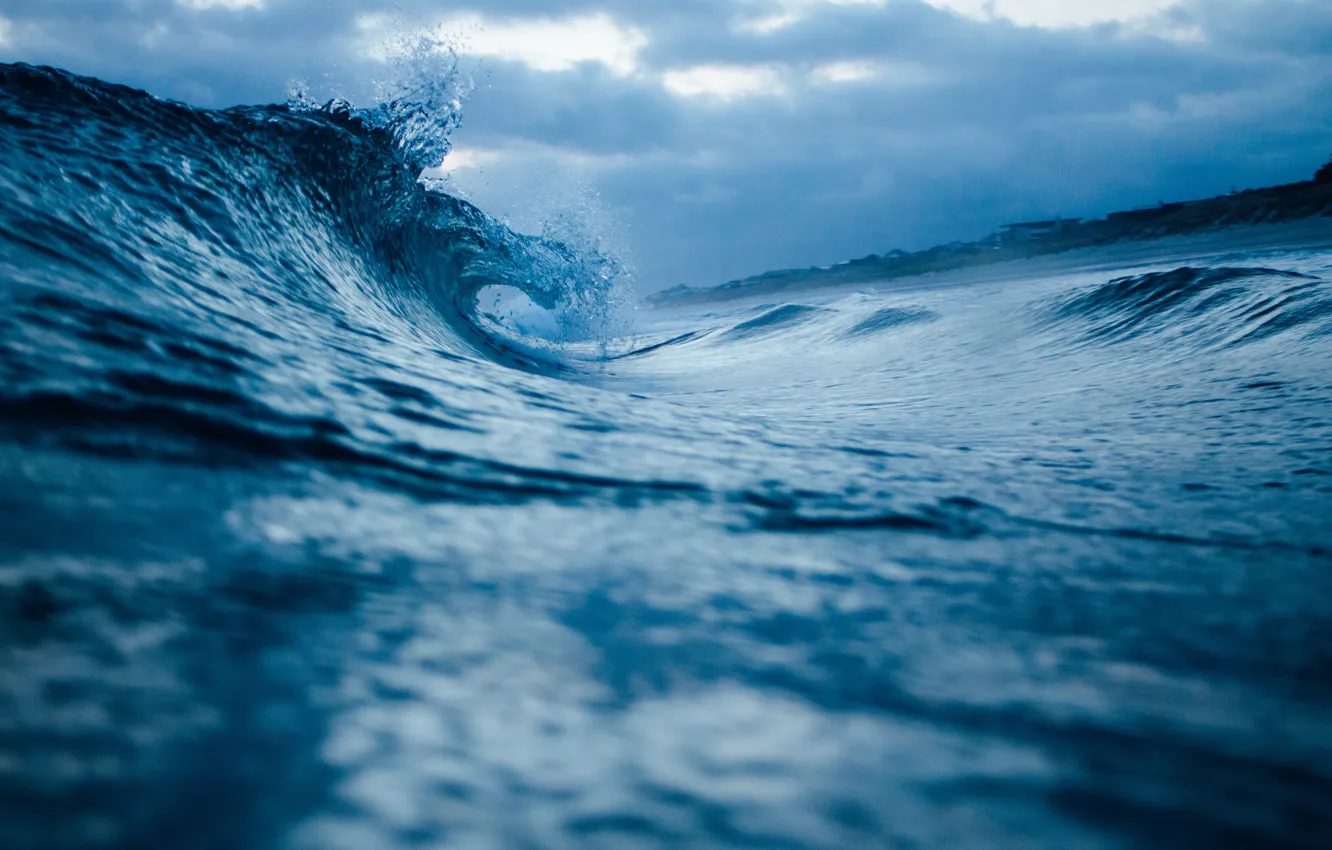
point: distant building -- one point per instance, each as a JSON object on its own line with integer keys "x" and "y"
{"x": 1028, "y": 230}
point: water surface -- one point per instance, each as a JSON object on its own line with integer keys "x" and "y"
{"x": 300, "y": 549}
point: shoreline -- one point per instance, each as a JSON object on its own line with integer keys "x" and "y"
{"x": 1302, "y": 234}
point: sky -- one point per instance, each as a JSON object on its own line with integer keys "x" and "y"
{"x": 711, "y": 139}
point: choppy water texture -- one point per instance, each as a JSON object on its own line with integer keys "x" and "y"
{"x": 297, "y": 550}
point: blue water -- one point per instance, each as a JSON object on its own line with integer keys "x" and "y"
{"x": 304, "y": 544}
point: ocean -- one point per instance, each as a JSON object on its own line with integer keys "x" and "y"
{"x": 314, "y": 535}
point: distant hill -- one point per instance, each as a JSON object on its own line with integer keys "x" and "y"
{"x": 1295, "y": 201}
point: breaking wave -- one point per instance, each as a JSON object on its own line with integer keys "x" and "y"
{"x": 124, "y": 197}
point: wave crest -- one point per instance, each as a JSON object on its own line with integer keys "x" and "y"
{"x": 1223, "y": 305}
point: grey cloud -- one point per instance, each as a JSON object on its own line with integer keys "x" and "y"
{"x": 1002, "y": 122}
{"x": 586, "y": 108}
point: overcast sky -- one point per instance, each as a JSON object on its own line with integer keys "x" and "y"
{"x": 718, "y": 138}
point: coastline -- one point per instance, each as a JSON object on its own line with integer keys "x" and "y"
{"x": 1179, "y": 235}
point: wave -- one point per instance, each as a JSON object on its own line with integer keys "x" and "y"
{"x": 124, "y": 201}
{"x": 777, "y": 318}
{"x": 891, "y": 317}
{"x": 680, "y": 339}
{"x": 1226, "y": 306}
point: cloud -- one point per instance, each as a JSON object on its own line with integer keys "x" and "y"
{"x": 234, "y": 5}
{"x": 541, "y": 43}
{"x": 1058, "y": 13}
{"x": 850, "y": 71}
{"x": 724, "y": 82}
{"x": 733, "y": 136}
{"x": 469, "y": 159}
{"x": 787, "y": 13}
{"x": 864, "y": 70}
{"x": 1050, "y": 14}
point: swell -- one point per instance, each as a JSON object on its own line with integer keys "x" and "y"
{"x": 775, "y": 319}
{"x": 1224, "y": 306}
{"x": 889, "y": 318}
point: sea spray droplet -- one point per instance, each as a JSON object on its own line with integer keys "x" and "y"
{"x": 418, "y": 101}
{"x": 422, "y": 101}
{"x": 599, "y": 291}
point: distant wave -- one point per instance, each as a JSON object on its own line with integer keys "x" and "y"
{"x": 775, "y": 319}
{"x": 892, "y": 317}
{"x": 1214, "y": 305}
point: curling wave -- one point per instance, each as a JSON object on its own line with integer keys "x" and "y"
{"x": 129, "y": 199}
